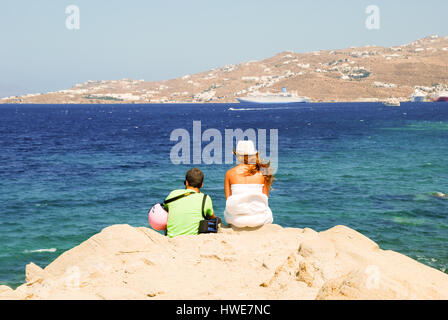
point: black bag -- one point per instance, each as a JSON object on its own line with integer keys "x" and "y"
{"x": 207, "y": 225}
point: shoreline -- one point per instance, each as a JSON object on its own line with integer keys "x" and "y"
{"x": 216, "y": 103}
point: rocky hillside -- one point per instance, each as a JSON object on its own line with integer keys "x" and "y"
{"x": 271, "y": 262}
{"x": 352, "y": 74}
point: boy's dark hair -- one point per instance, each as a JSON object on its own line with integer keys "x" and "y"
{"x": 195, "y": 177}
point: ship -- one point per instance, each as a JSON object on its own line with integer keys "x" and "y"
{"x": 393, "y": 102}
{"x": 283, "y": 97}
{"x": 440, "y": 97}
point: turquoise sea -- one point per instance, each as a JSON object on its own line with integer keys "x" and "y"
{"x": 68, "y": 171}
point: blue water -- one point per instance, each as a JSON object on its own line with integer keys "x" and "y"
{"x": 67, "y": 171}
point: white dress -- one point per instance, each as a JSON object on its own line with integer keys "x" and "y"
{"x": 247, "y": 206}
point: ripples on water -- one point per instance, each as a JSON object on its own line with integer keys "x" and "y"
{"x": 66, "y": 172}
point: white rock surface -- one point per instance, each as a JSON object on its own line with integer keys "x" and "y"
{"x": 123, "y": 262}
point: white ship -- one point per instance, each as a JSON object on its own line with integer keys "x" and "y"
{"x": 392, "y": 102}
{"x": 273, "y": 98}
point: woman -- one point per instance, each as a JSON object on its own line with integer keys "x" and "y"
{"x": 247, "y": 188}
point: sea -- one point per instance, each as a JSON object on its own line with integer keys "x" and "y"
{"x": 68, "y": 171}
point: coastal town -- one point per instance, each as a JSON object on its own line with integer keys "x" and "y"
{"x": 417, "y": 71}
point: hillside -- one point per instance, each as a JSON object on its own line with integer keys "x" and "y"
{"x": 353, "y": 74}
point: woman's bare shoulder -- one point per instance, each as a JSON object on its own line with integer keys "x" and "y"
{"x": 237, "y": 168}
{"x": 231, "y": 172}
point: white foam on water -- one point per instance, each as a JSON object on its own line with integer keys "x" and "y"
{"x": 40, "y": 250}
{"x": 257, "y": 109}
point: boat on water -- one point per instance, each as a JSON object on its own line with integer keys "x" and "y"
{"x": 392, "y": 102}
{"x": 440, "y": 97}
{"x": 283, "y": 97}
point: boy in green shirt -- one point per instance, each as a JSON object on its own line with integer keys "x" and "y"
{"x": 186, "y": 213}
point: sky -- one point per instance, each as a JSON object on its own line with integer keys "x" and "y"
{"x": 158, "y": 40}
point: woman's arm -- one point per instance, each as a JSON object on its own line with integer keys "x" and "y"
{"x": 265, "y": 187}
{"x": 227, "y": 189}
{"x": 266, "y": 190}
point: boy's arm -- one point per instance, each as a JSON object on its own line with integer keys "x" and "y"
{"x": 209, "y": 208}
{"x": 215, "y": 217}
{"x": 209, "y": 212}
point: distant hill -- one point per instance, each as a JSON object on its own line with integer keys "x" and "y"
{"x": 352, "y": 74}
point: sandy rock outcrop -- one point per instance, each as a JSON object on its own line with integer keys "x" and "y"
{"x": 271, "y": 262}
{"x": 5, "y": 289}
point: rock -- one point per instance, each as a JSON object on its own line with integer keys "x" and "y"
{"x": 361, "y": 285}
{"x": 5, "y": 289}
{"x": 120, "y": 293}
{"x": 271, "y": 262}
{"x": 34, "y": 273}
{"x": 309, "y": 232}
{"x": 318, "y": 248}
{"x": 306, "y": 273}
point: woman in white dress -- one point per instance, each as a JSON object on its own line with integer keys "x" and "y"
{"x": 247, "y": 187}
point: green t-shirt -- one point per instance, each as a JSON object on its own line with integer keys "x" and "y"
{"x": 184, "y": 214}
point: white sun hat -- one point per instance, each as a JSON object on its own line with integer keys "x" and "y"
{"x": 245, "y": 148}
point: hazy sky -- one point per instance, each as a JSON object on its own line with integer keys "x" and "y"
{"x": 155, "y": 40}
